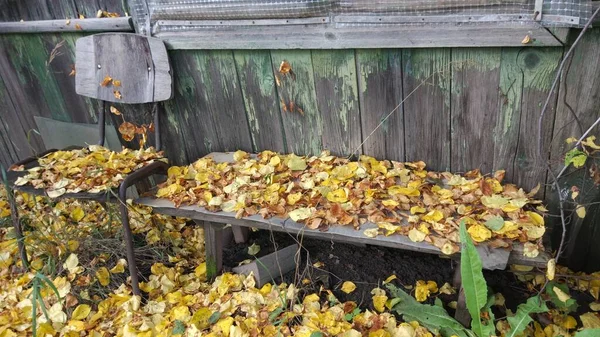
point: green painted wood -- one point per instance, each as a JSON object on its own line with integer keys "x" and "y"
{"x": 474, "y": 108}
{"x": 257, "y": 83}
{"x": 380, "y": 92}
{"x": 337, "y": 100}
{"x": 208, "y": 103}
{"x": 89, "y": 8}
{"x": 427, "y": 110}
{"x": 303, "y": 130}
{"x": 30, "y": 10}
{"x": 9, "y": 134}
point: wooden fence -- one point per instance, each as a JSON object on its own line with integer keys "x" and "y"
{"x": 464, "y": 108}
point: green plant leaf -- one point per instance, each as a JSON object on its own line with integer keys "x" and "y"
{"x": 588, "y": 333}
{"x": 522, "y": 317}
{"x": 474, "y": 284}
{"x": 430, "y": 315}
{"x": 49, "y": 283}
{"x": 575, "y": 157}
{"x": 214, "y": 318}
{"x": 316, "y": 334}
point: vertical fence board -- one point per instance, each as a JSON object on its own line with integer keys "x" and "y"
{"x": 302, "y": 124}
{"x": 10, "y": 134}
{"x": 380, "y": 92}
{"x": 474, "y": 105}
{"x": 337, "y": 100}
{"x": 30, "y": 10}
{"x": 260, "y": 98}
{"x": 208, "y": 100}
{"x": 427, "y": 110}
{"x": 539, "y": 67}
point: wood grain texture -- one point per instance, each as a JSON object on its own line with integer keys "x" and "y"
{"x": 141, "y": 65}
{"x": 474, "y": 106}
{"x": 330, "y": 37}
{"x": 208, "y": 104}
{"x": 270, "y": 267}
{"x": 30, "y": 10}
{"x": 380, "y": 92}
{"x": 337, "y": 100}
{"x": 9, "y": 134}
{"x": 71, "y": 25}
{"x": 427, "y": 111}
{"x": 538, "y": 67}
{"x": 255, "y": 74}
{"x": 303, "y": 123}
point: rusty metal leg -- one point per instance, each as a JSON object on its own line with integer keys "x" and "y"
{"x": 133, "y": 272}
{"x": 14, "y": 214}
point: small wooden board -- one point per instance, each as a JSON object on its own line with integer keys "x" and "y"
{"x": 491, "y": 258}
{"x": 141, "y": 64}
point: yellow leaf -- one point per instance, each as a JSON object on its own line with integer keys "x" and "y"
{"x": 580, "y": 210}
{"x": 389, "y": 203}
{"x": 571, "y": 140}
{"x": 551, "y": 269}
{"x": 240, "y": 155}
{"x": 595, "y": 306}
{"x": 201, "y": 317}
{"x": 422, "y": 291}
{"x": 371, "y": 232}
{"x": 408, "y": 191}
{"x": 479, "y": 233}
{"x": 433, "y": 216}
{"x": 535, "y": 218}
{"x": 181, "y": 313}
{"x": 296, "y": 163}
{"x": 340, "y": 195}
{"x": 293, "y": 198}
{"x": 225, "y": 325}
{"x": 119, "y": 267}
{"x": 494, "y": 201}
{"x": 562, "y": 296}
{"x": 81, "y": 312}
{"x": 300, "y": 214}
{"x": 526, "y": 40}
{"x": 103, "y": 276}
{"x": 390, "y": 279}
{"x": 447, "y": 289}
{"x": 348, "y": 287}
{"x": 253, "y": 249}
{"x": 379, "y": 302}
{"x": 416, "y": 235}
{"x": 77, "y": 214}
{"x": 417, "y": 210}
{"x": 56, "y": 314}
{"x": 590, "y": 320}
{"x": 71, "y": 263}
{"x": 569, "y": 323}
{"x": 530, "y": 250}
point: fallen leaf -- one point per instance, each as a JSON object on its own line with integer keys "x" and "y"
{"x": 551, "y": 269}
{"x": 562, "y": 296}
{"x": 103, "y": 276}
{"x": 416, "y": 235}
{"x": 580, "y": 210}
{"x": 117, "y": 94}
{"x": 115, "y": 111}
{"x": 526, "y": 40}
{"x": 81, "y": 312}
{"x": 106, "y": 81}
{"x": 253, "y": 249}
{"x": 348, "y": 287}
{"x": 78, "y": 26}
{"x": 300, "y": 214}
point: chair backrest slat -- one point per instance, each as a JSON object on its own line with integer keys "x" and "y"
{"x": 138, "y": 66}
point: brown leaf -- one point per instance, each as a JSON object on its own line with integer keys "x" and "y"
{"x": 499, "y": 175}
{"x": 72, "y": 73}
{"x": 285, "y": 67}
{"x": 78, "y": 26}
{"x": 117, "y": 83}
{"x": 595, "y": 173}
{"x": 486, "y": 188}
{"x": 151, "y": 127}
{"x": 117, "y": 94}
{"x": 127, "y": 130}
{"x": 114, "y": 111}
{"x": 106, "y": 81}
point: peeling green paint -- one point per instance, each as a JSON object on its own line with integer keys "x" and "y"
{"x": 511, "y": 88}
{"x": 432, "y": 66}
{"x": 29, "y": 57}
{"x": 539, "y": 66}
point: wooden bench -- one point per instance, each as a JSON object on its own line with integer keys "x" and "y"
{"x": 213, "y": 223}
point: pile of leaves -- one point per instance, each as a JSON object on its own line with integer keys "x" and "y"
{"x": 401, "y": 198}
{"x": 94, "y": 169}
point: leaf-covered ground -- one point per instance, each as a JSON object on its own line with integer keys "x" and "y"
{"x": 78, "y": 246}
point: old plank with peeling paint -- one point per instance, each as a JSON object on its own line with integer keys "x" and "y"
{"x": 427, "y": 76}
{"x": 257, "y": 82}
{"x": 474, "y": 106}
{"x": 380, "y": 93}
{"x": 302, "y": 120}
{"x": 337, "y": 100}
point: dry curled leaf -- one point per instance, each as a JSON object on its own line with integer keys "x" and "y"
{"x": 117, "y": 94}
{"x": 106, "y": 81}
{"x": 78, "y": 26}
{"x": 127, "y": 130}
{"x": 116, "y": 83}
{"x": 115, "y": 111}
{"x": 72, "y": 73}
{"x": 526, "y": 39}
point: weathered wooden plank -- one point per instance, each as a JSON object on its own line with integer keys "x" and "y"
{"x": 337, "y": 100}
{"x": 427, "y": 110}
{"x": 270, "y": 267}
{"x": 213, "y": 240}
{"x": 17, "y": 10}
{"x": 139, "y": 63}
{"x": 302, "y": 120}
{"x": 257, "y": 83}
{"x": 474, "y": 106}
{"x": 538, "y": 67}
{"x": 68, "y": 25}
{"x": 9, "y": 134}
{"x": 380, "y": 93}
{"x": 90, "y": 8}
{"x": 208, "y": 104}
{"x": 331, "y": 37}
